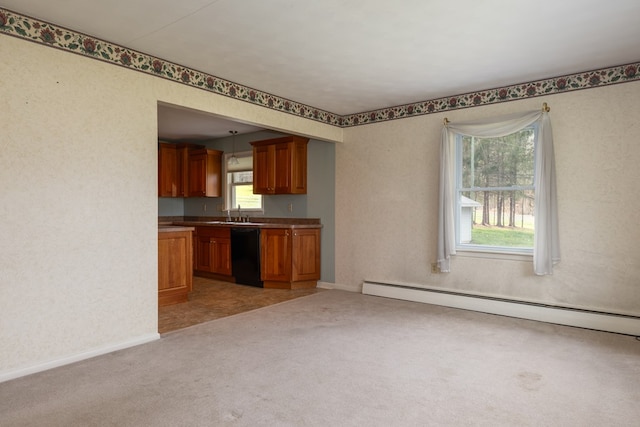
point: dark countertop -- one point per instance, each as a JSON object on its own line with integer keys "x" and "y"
{"x": 197, "y": 223}
{"x": 165, "y": 228}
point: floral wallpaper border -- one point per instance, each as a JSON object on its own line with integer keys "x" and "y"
{"x": 38, "y": 31}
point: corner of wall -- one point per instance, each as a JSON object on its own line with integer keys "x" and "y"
{"x": 340, "y": 287}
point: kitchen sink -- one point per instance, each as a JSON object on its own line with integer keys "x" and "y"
{"x": 232, "y": 223}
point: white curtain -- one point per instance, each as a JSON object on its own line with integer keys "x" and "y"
{"x": 546, "y": 248}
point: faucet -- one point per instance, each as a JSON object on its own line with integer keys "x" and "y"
{"x": 239, "y": 214}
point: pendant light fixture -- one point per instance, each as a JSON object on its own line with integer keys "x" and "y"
{"x": 233, "y": 160}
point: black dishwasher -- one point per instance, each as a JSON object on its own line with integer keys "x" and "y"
{"x": 245, "y": 255}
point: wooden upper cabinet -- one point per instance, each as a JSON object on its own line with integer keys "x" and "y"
{"x": 263, "y": 173}
{"x": 173, "y": 168}
{"x": 183, "y": 167}
{"x": 168, "y": 171}
{"x": 280, "y": 165}
{"x": 205, "y": 174}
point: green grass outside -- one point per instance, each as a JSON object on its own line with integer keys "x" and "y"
{"x": 502, "y": 236}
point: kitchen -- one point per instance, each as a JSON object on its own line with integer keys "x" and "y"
{"x": 304, "y": 211}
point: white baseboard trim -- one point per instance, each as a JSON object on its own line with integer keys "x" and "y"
{"x": 21, "y": 372}
{"x": 338, "y": 286}
{"x": 601, "y": 321}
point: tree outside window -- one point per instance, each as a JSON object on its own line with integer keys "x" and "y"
{"x": 239, "y": 184}
{"x": 495, "y": 187}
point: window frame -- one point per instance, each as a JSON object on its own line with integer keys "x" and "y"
{"x": 228, "y": 186}
{"x": 506, "y": 251}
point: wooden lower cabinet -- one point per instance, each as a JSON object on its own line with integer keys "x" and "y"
{"x": 213, "y": 250}
{"x": 290, "y": 258}
{"x": 175, "y": 274}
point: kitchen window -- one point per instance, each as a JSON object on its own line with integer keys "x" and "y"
{"x": 239, "y": 184}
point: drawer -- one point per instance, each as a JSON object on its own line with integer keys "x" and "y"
{"x": 213, "y": 231}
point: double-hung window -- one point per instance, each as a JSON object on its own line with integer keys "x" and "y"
{"x": 239, "y": 184}
{"x": 495, "y": 189}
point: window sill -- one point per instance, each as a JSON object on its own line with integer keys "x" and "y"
{"x": 494, "y": 254}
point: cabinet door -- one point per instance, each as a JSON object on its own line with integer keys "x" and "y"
{"x": 204, "y": 176}
{"x": 197, "y": 185}
{"x": 305, "y": 254}
{"x": 194, "y": 249}
{"x": 298, "y": 173}
{"x": 221, "y": 256}
{"x": 263, "y": 171}
{"x": 275, "y": 248}
{"x": 282, "y": 168}
{"x": 172, "y": 261}
{"x": 203, "y": 253}
{"x": 168, "y": 168}
{"x": 213, "y": 250}
{"x": 291, "y": 168}
{"x": 175, "y": 277}
{"x": 183, "y": 170}
{"x": 213, "y": 175}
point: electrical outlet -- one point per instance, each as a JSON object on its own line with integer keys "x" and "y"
{"x": 204, "y": 207}
{"x": 290, "y": 207}
{"x": 434, "y": 268}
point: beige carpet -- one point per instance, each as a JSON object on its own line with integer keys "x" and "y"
{"x": 342, "y": 359}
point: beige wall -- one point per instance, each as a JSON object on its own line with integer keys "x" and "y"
{"x": 387, "y": 191}
{"x": 78, "y": 200}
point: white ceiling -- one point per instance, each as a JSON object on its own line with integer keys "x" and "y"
{"x": 182, "y": 124}
{"x": 349, "y": 56}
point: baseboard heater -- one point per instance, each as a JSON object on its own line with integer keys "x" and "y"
{"x": 597, "y": 320}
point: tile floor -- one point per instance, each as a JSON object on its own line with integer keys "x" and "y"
{"x": 213, "y": 299}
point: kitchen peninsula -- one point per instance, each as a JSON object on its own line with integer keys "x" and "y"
{"x": 175, "y": 253}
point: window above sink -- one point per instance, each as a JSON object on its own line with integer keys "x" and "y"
{"x": 238, "y": 184}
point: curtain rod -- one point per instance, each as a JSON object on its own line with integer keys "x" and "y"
{"x": 545, "y": 108}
